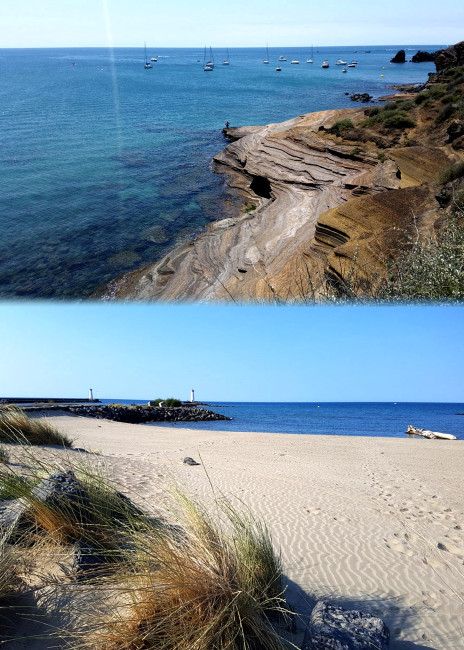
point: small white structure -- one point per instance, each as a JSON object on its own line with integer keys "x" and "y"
{"x": 192, "y": 395}
{"x": 90, "y": 395}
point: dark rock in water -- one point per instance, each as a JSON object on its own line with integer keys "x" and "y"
{"x": 87, "y": 559}
{"x": 400, "y": 57}
{"x": 190, "y": 461}
{"x": 361, "y": 97}
{"x": 335, "y": 628}
{"x": 421, "y": 57}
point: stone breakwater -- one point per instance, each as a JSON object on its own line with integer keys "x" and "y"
{"x": 142, "y": 414}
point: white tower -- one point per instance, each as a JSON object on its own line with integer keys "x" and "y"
{"x": 192, "y": 395}
{"x": 90, "y": 395}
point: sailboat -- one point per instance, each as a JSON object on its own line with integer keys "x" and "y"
{"x": 226, "y": 61}
{"x": 311, "y": 59}
{"x": 208, "y": 66}
{"x": 266, "y": 60}
{"x": 147, "y": 64}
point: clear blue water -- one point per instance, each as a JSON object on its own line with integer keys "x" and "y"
{"x": 376, "y": 419}
{"x": 105, "y": 165}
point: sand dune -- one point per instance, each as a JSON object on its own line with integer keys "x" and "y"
{"x": 369, "y": 523}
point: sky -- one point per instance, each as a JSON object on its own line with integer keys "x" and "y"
{"x": 250, "y": 23}
{"x": 230, "y": 353}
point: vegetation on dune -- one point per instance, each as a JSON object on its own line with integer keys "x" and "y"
{"x": 15, "y": 427}
{"x": 4, "y": 456}
{"x": 197, "y": 586}
{"x": 9, "y": 581}
{"x": 183, "y": 579}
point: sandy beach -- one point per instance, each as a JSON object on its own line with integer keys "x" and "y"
{"x": 368, "y": 523}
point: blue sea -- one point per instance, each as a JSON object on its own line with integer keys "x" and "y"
{"x": 104, "y": 165}
{"x": 375, "y": 419}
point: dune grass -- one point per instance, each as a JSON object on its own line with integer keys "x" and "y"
{"x": 9, "y": 581}
{"x": 191, "y": 578}
{"x": 16, "y": 426}
{"x": 206, "y": 585}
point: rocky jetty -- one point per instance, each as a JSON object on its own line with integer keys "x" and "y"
{"x": 141, "y": 414}
{"x": 318, "y": 191}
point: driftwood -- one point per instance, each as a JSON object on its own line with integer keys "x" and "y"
{"x": 413, "y": 431}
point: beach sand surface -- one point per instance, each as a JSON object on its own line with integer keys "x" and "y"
{"x": 375, "y": 524}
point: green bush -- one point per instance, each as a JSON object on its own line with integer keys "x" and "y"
{"x": 342, "y": 125}
{"x": 398, "y": 120}
{"x": 451, "y": 172}
{"x": 430, "y": 271}
{"x": 170, "y": 402}
{"x": 445, "y": 113}
{"x": 421, "y": 98}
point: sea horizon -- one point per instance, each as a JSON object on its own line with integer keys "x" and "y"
{"x": 372, "y": 419}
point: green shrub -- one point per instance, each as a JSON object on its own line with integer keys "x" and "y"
{"x": 437, "y": 91}
{"x": 342, "y": 125}
{"x": 381, "y": 157}
{"x": 451, "y": 172}
{"x": 430, "y": 271}
{"x": 445, "y": 113}
{"x": 169, "y": 402}
{"x": 354, "y": 152}
{"x": 421, "y": 98}
{"x": 398, "y": 120}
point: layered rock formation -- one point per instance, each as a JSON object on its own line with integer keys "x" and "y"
{"x": 322, "y": 193}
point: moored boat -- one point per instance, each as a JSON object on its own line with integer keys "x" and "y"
{"x": 147, "y": 65}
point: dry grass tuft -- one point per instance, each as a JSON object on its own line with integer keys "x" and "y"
{"x": 16, "y": 427}
{"x": 205, "y": 585}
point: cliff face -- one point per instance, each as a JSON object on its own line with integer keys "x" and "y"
{"x": 317, "y": 199}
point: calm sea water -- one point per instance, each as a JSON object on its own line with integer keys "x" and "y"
{"x": 105, "y": 165}
{"x": 377, "y": 419}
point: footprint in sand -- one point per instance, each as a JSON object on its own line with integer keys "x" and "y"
{"x": 450, "y": 548}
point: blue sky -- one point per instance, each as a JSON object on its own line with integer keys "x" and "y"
{"x": 232, "y": 353}
{"x": 125, "y": 23}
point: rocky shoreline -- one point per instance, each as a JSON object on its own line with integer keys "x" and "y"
{"x": 315, "y": 198}
{"x": 137, "y": 414}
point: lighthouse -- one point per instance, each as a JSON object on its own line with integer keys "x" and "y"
{"x": 192, "y": 395}
{"x": 90, "y": 395}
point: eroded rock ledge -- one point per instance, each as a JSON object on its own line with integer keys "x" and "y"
{"x": 314, "y": 199}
